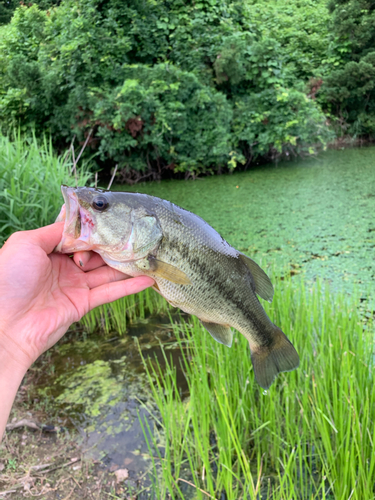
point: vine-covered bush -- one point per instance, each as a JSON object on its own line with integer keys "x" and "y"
{"x": 159, "y": 86}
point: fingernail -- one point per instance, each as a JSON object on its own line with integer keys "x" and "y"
{"x": 80, "y": 263}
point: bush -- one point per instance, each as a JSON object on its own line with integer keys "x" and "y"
{"x": 30, "y": 180}
{"x": 269, "y": 119}
{"x": 167, "y": 114}
{"x": 349, "y": 93}
{"x": 159, "y": 86}
{"x": 354, "y": 20}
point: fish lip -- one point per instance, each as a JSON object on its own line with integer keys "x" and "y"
{"x": 70, "y": 241}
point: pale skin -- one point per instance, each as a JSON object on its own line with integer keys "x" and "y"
{"x": 41, "y": 295}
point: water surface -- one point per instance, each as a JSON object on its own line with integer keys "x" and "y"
{"x": 315, "y": 216}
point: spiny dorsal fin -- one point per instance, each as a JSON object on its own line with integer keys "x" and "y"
{"x": 160, "y": 269}
{"x": 263, "y": 285}
{"x": 222, "y": 334}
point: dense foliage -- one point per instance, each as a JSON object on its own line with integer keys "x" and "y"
{"x": 168, "y": 86}
{"x": 30, "y": 179}
{"x": 348, "y": 92}
{"x": 7, "y": 7}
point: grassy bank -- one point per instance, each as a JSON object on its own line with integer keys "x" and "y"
{"x": 113, "y": 317}
{"x": 31, "y": 175}
{"x": 310, "y": 436}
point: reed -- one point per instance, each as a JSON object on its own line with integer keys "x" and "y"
{"x": 30, "y": 178}
{"x": 114, "y": 316}
{"x": 310, "y": 436}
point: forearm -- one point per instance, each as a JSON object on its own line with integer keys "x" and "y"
{"x": 11, "y": 375}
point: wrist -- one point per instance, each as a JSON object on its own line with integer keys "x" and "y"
{"x": 12, "y": 372}
{"x": 14, "y": 362}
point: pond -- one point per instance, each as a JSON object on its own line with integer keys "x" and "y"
{"x": 313, "y": 217}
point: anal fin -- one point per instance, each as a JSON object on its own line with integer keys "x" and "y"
{"x": 222, "y": 334}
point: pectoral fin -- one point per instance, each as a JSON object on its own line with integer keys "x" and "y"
{"x": 160, "y": 269}
{"x": 220, "y": 333}
{"x": 263, "y": 285}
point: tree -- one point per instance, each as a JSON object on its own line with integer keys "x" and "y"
{"x": 156, "y": 86}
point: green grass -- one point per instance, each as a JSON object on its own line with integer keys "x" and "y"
{"x": 309, "y": 436}
{"x": 30, "y": 178}
{"x": 114, "y": 316}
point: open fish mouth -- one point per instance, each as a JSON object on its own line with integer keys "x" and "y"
{"x": 78, "y": 223}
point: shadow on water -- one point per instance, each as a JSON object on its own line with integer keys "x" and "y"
{"x": 101, "y": 384}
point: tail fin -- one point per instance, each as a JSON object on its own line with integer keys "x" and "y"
{"x": 271, "y": 360}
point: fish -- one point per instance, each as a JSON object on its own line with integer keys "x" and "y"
{"x": 194, "y": 268}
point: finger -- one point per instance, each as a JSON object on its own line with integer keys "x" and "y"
{"x": 88, "y": 261}
{"x": 91, "y": 261}
{"x": 113, "y": 291}
{"x": 81, "y": 258}
{"x": 103, "y": 275}
{"x": 47, "y": 237}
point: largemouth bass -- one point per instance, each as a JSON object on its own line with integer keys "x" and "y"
{"x": 194, "y": 268}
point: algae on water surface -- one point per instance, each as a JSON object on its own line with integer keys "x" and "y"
{"x": 315, "y": 216}
{"x": 101, "y": 384}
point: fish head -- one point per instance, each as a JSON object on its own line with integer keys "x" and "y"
{"x": 114, "y": 224}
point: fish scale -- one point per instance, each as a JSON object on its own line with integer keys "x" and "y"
{"x": 229, "y": 297}
{"x": 194, "y": 268}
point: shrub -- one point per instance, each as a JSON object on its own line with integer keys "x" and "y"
{"x": 350, "y": 94}
{"x": 167, "y": 115}
{"x": 269, "y": 119}
{"x": 157, "y": 85}
{"x": 347, "y": 92}
{"x": 354, "y": 20}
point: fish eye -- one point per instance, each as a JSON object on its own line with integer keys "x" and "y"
{"x": 100, "y": 203}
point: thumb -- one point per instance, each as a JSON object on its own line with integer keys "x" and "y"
{"x": 47, "y": 237}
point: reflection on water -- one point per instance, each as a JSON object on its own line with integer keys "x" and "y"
{"x": 101, "y": 383}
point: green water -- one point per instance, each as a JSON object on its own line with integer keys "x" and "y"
{"x": 101, "y": 384}
{"x": 315, "y": 217}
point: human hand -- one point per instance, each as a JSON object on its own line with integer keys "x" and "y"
{"x": 43, "y": 293}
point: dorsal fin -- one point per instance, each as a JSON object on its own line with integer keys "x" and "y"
{"x": 263, "y": 285}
